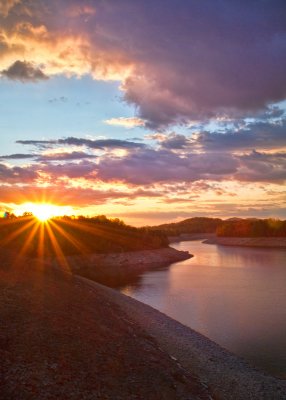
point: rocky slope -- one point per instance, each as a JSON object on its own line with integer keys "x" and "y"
{"x": 61, "y": 339}
{"x": 119, "y": 268}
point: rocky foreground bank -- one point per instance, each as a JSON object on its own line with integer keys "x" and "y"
{"x": 66, "y": 337}
{"x": 61, "y": 338}
{"x": 116, "y": 269}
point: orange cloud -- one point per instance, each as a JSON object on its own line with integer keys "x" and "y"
{"x": 130, "y": 122}
{"x": 6, "y": 6}
{"x": 68, "y": 49}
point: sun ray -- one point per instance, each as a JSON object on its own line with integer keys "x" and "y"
{"x": 80, "y": 246}
{"x": 58, "y": 251}
{"x": 102, "y": 231}
{"x": 41, "y": 242}
{"x": 27, "y": 242}
{"x": 13, "y": 235}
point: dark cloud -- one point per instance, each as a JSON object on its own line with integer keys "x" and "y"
{"x": 25, "y": 72}
{"x": 18, "y": 156}
{"x": 205, "y": 156}
{"x": 75, "y": 155}
{"x": 200, "y": 59}
{"x": 99, "y": 144}
{"x": 61, "y": 99}
{"x": 17, "y": 174}
{"x": 263, "y": 167}
{"x": 84, "y": 169}
{"x": 175, "y": 141}
{"x": 37, "y": 142}
{"x": 256, "y": 135}
{"x": 148, "y": 166}
{"x": 184, "y": 59}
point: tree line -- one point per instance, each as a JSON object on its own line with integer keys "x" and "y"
{"x": 252, "y": 228}
{"x": 68, "y": 236}
{"x": 234, "y": 227}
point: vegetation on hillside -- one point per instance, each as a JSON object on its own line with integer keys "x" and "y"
{"x": 234, "y": 227}
{"x": 190, "y": 225}
{"x": 67, "y": 236}
{"x": 252, "y": 228}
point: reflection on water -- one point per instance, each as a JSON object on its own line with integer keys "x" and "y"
{"x": 236, "y": 296}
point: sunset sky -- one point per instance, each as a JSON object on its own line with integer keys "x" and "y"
{"x": 148, "y": 110}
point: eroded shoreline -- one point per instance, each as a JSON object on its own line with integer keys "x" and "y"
{"x": 226, "y": 375}
{"x": 211, "y": 238}
{"x": 116, "y": 269}
{"x": 105, "y": 334}
{"x": 262, "y": 242}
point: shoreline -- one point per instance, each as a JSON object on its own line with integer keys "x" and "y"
{"x": 117, "y": 269}
{"x": 262, "y": 242}
{"x": 223, "y": 373}
{"x": 104, "y": 334}
{"x": 63, "y": 338}
{"x": 211, "y": 238}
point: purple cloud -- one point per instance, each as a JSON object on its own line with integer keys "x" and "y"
{"x": 184, "y": 59}
{"x": 24, "y": 71}
{"x": 199, "y": 59}
{"x": 99, "y": 144}
{"x": 263, "y": 167}
{"x": 147, "y": 166}
{"x": 256, "y": 135}
{"x": 74, "y": 155}
{"x": 17, "y": 174}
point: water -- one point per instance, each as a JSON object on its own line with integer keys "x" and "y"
{"x": 236, "y": 296}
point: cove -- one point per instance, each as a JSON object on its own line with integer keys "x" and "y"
{"x": 233, "y": 295}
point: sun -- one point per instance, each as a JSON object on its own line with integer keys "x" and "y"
{"x": 44, "y": 212}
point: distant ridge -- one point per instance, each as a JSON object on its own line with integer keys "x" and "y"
{"x": 231, "y": 227}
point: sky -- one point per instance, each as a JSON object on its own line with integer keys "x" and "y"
{"x": 150, "y": 111}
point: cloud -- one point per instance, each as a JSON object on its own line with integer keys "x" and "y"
{"x": 148, "y": 166}
{"x": 24, "y": 71}
{"x": 65, "y": 195}
{"x": 18, "y": 156}
{"x": 256, "y": 135}
{"x": 6, "y": 6}
{"x": 17, "y": 174}
{"x": 83, "y": 169}
{"x": 89, "y": 143}
{"x": 183, "y": 61}
{"x": 125, "y": 122}
{"x": 242, "y": 136}
{"x": 174, "y": 141}
{"x": 263, "y": 167}
{"x": 205, "y": 156}
{"x": 61, "y": 99}
{"x": 77, "y": 10}
{"x": 74, "y": 155}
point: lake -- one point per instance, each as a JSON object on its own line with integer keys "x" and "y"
{"x": 235, "y": 296}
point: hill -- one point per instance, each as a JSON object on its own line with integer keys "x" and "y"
{"x": 67, "y": 236}
{"x": 189, "y": 226}
{"x": 232, "y": 227}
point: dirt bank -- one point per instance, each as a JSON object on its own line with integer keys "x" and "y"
{"x": 61, "y": 338}
{"x": 66, "y": 337}
{"x": 227, "y": 376}
{"x": 120, "y": 268}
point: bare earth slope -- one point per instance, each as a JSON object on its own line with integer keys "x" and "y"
{"x": 62, "y": 339}
{"x": 226, "y": 375}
